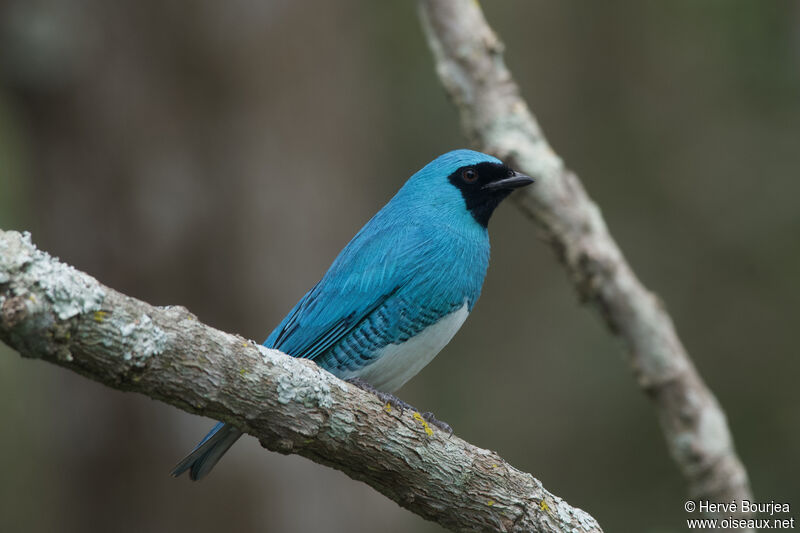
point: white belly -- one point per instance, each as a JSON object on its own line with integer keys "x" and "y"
{"x": 397, "y": 363}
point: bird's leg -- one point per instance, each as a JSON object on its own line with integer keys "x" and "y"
{"x": 444, "y": 426}
{"x": 385, "y": 397}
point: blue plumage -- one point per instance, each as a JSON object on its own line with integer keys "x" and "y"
{"x": 399, "y": 290}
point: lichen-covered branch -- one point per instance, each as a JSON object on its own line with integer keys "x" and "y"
{"x": 50, "y": 311}
{"x": 469, "y": 62}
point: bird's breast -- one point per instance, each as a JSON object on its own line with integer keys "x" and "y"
{"x": 391, "y": 366}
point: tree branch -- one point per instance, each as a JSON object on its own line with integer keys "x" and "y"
{"x": 50, "y": 311}
{"x": 470, "y": 64}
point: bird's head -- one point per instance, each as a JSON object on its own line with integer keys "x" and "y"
{"x": 465, "y": 182}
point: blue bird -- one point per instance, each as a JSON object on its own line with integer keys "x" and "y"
{"x": 399, "y": 291}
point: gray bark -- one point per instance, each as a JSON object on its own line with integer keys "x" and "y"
{"x": 50, "y": 311}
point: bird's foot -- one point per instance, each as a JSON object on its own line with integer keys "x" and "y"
{"x": 389, "y": 399}
{"x": 432, "y": 420}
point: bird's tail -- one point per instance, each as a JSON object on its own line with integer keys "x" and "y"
{"x": 206, "y": 454}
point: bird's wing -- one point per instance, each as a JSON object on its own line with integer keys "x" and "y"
{"x": 374, "y": 266}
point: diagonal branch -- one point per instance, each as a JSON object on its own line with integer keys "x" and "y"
{"x": 50, "y": 311}
{"x": 469, "y": 62}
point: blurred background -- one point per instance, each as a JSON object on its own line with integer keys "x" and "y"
{"x": 218, "y": 156}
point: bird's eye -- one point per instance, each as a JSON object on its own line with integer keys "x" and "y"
{"x": 510, "y": 173}
{"x": 470, "y": 175}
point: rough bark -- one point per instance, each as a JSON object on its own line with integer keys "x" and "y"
{"x": 469, "y": 62}
{"x": 50, "y": 311}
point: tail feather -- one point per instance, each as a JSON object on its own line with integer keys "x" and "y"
{"x": 205, "y": 455}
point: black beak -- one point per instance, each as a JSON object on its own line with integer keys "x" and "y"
{"x": 514, "y": 181}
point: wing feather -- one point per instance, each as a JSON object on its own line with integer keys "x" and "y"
{"x": 371, "y": 268}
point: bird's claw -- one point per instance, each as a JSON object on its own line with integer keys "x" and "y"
{"x": 432, "y": 420}
{"x": 393, "y": 401}
{"x": 390, "y": 400}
